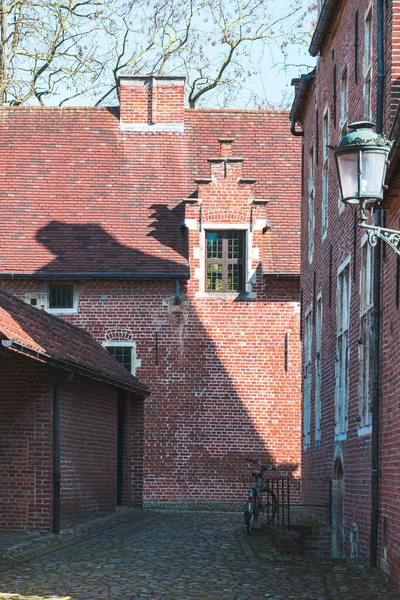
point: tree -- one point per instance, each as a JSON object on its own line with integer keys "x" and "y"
{"x": 64, "y": 49}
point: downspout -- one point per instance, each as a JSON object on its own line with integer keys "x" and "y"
{"x": 56, "y": 451}
{"x": 377, "y": 313}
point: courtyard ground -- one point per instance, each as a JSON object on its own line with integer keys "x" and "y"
{"x": 182, "y": 556}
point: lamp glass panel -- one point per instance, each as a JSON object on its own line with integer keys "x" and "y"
{"x": 348, "y": 173}
{"x": 373, "y": 168}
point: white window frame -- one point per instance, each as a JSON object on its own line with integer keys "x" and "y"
{"x": 311, "y": 195}
{"x": 318, "y": 351}
{"x": 367, "y": 63}
{"x": 135, "y": 361}
{"x": 365, "y": 340}
{"x": 325, "y": 174}
{"x": 43, "y": 296}
{"x": 343, "y": 302}
{"x": 307, "y": 378}
{"x": 252, "y": 254}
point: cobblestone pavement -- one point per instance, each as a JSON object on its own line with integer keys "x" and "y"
{"x": 187, "y": 556}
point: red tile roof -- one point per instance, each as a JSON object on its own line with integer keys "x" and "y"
{"x": 47, "y": 338}
{"x": 81, "y": 197}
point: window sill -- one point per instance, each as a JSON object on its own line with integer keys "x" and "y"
{"x": 364, "y": 430}
{"x": 340, "y": 437}
{"x": 62, "y": 311}
{"x": 226, "y": 296}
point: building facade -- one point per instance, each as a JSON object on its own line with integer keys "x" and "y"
{"x": 355, "y": 79}
{"x": 172, "y": 236}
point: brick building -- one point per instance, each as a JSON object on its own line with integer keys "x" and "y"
{"x": 172, "y": 236}
{"x": 60, "y": 399}
{"x": 337, "y": 283}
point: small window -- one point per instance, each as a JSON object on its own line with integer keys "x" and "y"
{"x": 123, "y": 354}
{"x": 61, "y": 296}
{"x": 225, "y": 261}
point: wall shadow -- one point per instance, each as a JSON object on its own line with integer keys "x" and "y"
{"x": 200, "y": 420}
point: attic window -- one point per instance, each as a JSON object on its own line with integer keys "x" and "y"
{"x": 61, "y": 296}
{"x": 225, "y": 261}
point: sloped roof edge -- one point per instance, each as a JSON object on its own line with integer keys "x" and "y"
{"x": 49, "y": 339}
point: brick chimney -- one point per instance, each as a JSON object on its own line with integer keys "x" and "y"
{"x": 152, "y": 103}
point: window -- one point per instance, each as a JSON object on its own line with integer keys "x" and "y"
{"x": 125, "y": 352}
{"x": 311, "y": 205}
{"x": 318, "y": 349}
{"x": 325, "y": 175}
{"x": 365, "y": 340}
{"x": 367, "y": 65}
{"x": 225, "y": 261}
{"x": 342, "y": 351}
{"x": 61, "y": 296}
{"x": 344, "y": 104}
{"x": 307, "y": 379}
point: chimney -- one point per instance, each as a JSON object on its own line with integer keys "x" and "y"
{"x": 152, "y": 103}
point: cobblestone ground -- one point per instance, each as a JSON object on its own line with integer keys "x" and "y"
{"x": 187, "y": 556}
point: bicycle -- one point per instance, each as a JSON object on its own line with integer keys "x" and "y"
{"x": 261, "y": 500}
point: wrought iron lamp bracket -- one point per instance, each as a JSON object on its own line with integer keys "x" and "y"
{"x": 390, "y": 236}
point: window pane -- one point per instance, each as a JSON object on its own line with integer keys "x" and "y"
{"x": 214, "y": 245}
{"x": 61, "y": 296}
{"x": 214, "y": 277}
{"x": 123, "y": 354}
{"x": 235, "y": 278}
{"x": 235, "y": 245}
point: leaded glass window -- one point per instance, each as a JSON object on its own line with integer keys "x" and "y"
{"x": 225, "y": 261}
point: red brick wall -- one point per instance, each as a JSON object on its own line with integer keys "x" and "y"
{"x": 215, "y": 364}
{"x": 25, "y": 444}
{"x": 88, "y": 448}
{"x": 318, "y": 461}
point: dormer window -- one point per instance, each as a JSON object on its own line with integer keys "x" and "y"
{"x": 225, "y": 261}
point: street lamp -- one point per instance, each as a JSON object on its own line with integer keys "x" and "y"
{"x": 361, "y": 160}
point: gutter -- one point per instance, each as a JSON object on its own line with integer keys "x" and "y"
{"x": 303, "y": 86}
{"x": 281, "y": 275}
{"x": 145, "y": 276}
{"x": 325, "y": 20}
{"x": 78, "y": 369}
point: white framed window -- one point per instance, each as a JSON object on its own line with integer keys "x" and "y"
{"x": 367, "y": 64}
{"x": 248, "y": 265}
{"x": 342, "y": 350}
{"x": 311, "y": 194}
{"x": 344, "y": 103}
{"x": 307, "y": 378}
{"x": 318, "y": 350}
{"x": 56, "y": 297}
{"x": 125, "y": 352}
{"x": 325, "y": 174}
{"x": 365, "y": 341}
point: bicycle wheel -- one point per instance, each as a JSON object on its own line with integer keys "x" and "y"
{"x": 249, "y": 518}
{"x": 268, "y": 504}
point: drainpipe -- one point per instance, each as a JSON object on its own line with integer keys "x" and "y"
{"x": 376, "y": 314}
{"x": 56, "y": 451}
{"x": 293, "y": 129}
